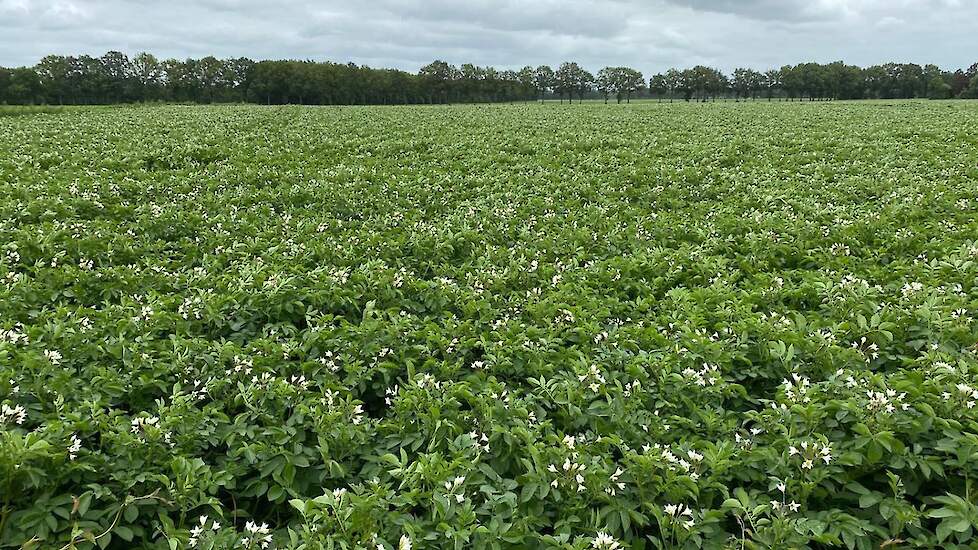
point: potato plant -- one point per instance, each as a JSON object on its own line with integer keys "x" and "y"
{"x": 649, "y": 326}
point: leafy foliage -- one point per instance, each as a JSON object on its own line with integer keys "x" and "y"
{"x": 645, "y": 326}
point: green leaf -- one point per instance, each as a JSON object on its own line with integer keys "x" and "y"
{"x": 124, "y": 532}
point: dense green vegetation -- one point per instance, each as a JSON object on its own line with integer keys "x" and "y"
{"x": 114, "y": 78}
{"x": 691, "y": 325}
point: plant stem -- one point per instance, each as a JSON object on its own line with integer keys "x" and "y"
{"x": 129, "y": 500}
{"x": 4, "y": 514}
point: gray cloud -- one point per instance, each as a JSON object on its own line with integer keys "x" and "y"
{"x": 648, "y": 34}
{"x": 784, "y": 10}
{"x": 818, "y": 10}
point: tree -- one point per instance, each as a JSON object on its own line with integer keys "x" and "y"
{"x": 4, "y": 85}
{"x": 791, "y": 81}
{"x": 746, "y": 83}
{"x": 959, "y": 82}
{"x": 810, "y": 80}
{"x": 910, "y": 80}
{"x": 719, "y": 84}
{"x": 525, "y": 78}
{"x": 659, "y": 85}
{"x": 25, "y": 86}
{"x": 583, "y": 82}
{"x": 702, "y": 83}
{"x": 543, "y": 80}
{"x": 605, "y": 82}
{"x": 87, "y": 79}
{"x": 302, "y": 85}
{"x": 875, "y": 81}
{"x": 567, "y": 80}
{"x": 932, "y": 72}
{"x": 674, "y": 79}
{"x": 118, "y": 82}
{"x": 179, "y": 82}
{"x": 963, "y": 84}
{"x": 620, "y": 81}
{"x": 843, "y": 81}
{"x": 937, "y": 88}
{"x": 971, "y": 92}
{"x": 772, "y": 82}
{"x": 469, "y": 80}
{"x": 972, "y": 71}
{"x": 208, "y": 76}
{"x": 53, "y": 73}
{"x": 686, "y": 84}
{"x": 149, "y": 74}
{"x": 632, "y": 81}
{"x": 438, "y": 76}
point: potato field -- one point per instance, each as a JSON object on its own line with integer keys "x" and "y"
{"x": 578, "y": 327}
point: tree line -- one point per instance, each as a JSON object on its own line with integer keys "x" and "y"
{"x": 115, "y": 78}
{"x": 814, "y": 81}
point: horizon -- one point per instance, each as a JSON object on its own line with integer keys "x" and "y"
{"x": 457, "y": 64}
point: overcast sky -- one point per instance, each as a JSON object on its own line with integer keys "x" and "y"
{"x": 651, "y": 35}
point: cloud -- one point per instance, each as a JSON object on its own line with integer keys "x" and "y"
{"x": 802, "y": 11}
{"x": 783, "y": 10}
{"x": 651, "y": 35}
{"x": 890, "y": 21}
{"x": 566, "y": 18}
{"x": 10, "y": 8}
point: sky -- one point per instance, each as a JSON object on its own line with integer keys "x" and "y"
{"x": 650, "y": 35}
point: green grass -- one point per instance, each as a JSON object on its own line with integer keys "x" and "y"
{"x": 24, "y": 110}
{"x": 318, "y": 318}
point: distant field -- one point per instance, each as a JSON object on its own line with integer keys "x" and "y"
{"x": 20, "y": 110}
{"x": 719, "y": 325}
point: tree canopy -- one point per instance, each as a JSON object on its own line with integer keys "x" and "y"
{"x": 115, "y": 78}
